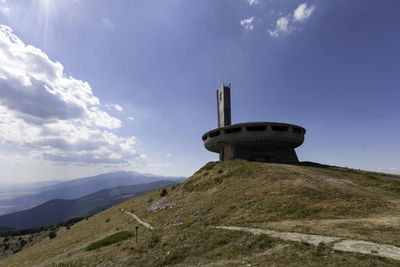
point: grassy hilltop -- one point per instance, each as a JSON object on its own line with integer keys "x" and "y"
{"x": 311, "y": 199}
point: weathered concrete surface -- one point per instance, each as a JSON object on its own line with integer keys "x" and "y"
{"x": 224, "y": 105}
{"x": 336, "y": 243}
{"x": 145, "y": 224}
{"x": 253, "y": 141}
{"x": 299, "y": 237}
{"x": 256, "y": 141}
{"x": 368, "y": 248}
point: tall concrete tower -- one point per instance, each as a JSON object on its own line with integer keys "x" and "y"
{"x": 224, "y": 105}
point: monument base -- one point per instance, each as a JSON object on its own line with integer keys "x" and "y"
{"x": 229, "y": 152}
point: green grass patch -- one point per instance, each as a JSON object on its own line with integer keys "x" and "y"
{"x": 109, "y": 240}
{"x": 188, "y": 223}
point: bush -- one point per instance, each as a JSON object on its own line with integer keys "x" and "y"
{"x": 52, "y": 234}
{"x": 153, "y": 241}
{"x": 164, "y": 192}
{"x": 114, "y": 238}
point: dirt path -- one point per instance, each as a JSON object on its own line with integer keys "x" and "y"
{"x": 334, "y": 242}
{"x": 145, "y": 224}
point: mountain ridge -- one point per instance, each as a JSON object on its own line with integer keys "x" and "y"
{"x": 79, "y": 187}
{"x": 58, "y": 210}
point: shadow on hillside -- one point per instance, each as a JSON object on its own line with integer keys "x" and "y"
{"x": 312, "y": 164}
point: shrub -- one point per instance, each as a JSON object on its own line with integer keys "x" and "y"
{"x": 52, "y": 234}
{"x": 188, "y": 223}
{"x": 153, "y": 241}
{"x": 164, "y": 192}
{"x": 114, "y": 238}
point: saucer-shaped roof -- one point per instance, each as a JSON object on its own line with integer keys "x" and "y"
{"x": 255, "y": 136}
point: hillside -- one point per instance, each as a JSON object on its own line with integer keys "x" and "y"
{"x": 59, "y": 210}
{"x": 315, "y": 199}
{"x": 31, "y": 195}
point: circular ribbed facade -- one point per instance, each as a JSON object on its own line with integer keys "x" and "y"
{"x": 267, "y": 141}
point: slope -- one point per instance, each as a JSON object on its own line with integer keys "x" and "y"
{"x": 58, "y": 210}
{"x": 77, "y": 188}
{"x": 314, "y": 200}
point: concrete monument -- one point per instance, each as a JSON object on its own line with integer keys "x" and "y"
{"x": 253, "y": 141}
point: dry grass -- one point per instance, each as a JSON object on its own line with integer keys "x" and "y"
{"x": 292, "y": 198}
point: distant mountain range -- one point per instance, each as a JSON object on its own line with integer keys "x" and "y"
{"x": 58, "y": 210}
{"x": 30, "y": 195}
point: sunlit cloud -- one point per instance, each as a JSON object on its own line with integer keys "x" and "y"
{"x": 281, "y": 27}
{"x": 247, "y": 24}
{"x": 114, "y": 107}
{"x": 284, "y": 25}
{"x": 4, "y": 8}
{"x": 252, "y": 2}
{"x": 302, "y": 12}
{"x": 55, "y": 117}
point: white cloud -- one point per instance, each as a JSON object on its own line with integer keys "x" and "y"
{"x": 114, "y": 106}
{"x": 48, "y": 115}
{"x": 252, "y": 2}
{"x": 118, "y": 107}
{"x": 4, "y": 7}
{"x": 247, "y": 23}
{"x": 281, "y": 27}
{"x": 394, "y": 169}
{"x": 302, "y": 12}
{"x": 108, "y": 23}
{"x": 284, "y": 24}
{"x": 169, "y": 155}
{"x": 130, "y": 118}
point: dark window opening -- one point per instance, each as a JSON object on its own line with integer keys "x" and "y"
{"x": 256, "y": 128}
{"x": 233, "y": 130}
{"x": 213, "y": 134}
{"x": 279, "y": 128}
{"x": 297, "y": 130}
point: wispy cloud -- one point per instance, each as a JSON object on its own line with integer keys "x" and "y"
{"x": 114, "y": 106}
{"x": 4, "y": 7}
{"x": 252, "y": 2}
{"x": 247, "y": 23}
{"x": 108, "y": 23}
{"x": 51, "y": 116}
{"x": 302, "y": 12}
{"x": 169, "y": 155}
{"x": 281, "y": 27}
{"x": 284, "y": 25}
{"x": 130, "y": 118}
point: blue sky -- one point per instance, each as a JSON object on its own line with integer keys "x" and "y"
{"x": 94, "y": 86}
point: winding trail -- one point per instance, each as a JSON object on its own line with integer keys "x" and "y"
{"x": 336, "y": 243}
{"x": 145, "y": 224}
